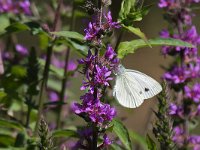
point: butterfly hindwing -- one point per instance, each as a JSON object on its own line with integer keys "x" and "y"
{"x": 126, "y": 91}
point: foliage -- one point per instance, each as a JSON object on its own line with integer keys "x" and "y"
{"x": 39, "y": 43}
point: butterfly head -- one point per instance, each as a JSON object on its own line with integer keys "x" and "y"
{"x": 119, "y": 70}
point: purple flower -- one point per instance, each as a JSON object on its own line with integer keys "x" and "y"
{"x": 102, "y": 75}
{"x": 193, "y": 93}
{"x": 58, "y": 63}
{"x": 72, "y": 66}
{"x": 111, "y": 56}
{"x": 177, "y": 75}
{"x": 95, "y": 31}
{"x": 91, "y": 33}
{"x": 21, "y": 49}
{"x": 194, "y": 139}
{"x": 53, "y": 96}
{"x": 173, "y": 109}
{"x": 110, "y": 22}
{"x": 178, "y": 135}
{"x": 106, "y": 140}
{"x": 98, "y": 112}
{"x": 166, "y": 3}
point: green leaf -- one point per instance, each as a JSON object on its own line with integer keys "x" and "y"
{"x": 151, "y": 144}
{"x": 76, "y": 45}
{"x": 131, "y": 46}
{"x": 137, "y": 32}
{"x": 139, "y": 139}
{"x": 5, "y": 22}
{"x": 11, "y": 124}
{"x": 69, "y": 34}
{"x": 126, "y": 6}
{"x": 18, "y": 71}
{"x": 2, "y": 95}
{"x": 34, "y": 27}
{"x": 6, "y": 140}
{"x": 121, "y": 131}
{"x": 115, "y": 147}
{"x": 16, "y": 27}
{"x": 64, "y": 133}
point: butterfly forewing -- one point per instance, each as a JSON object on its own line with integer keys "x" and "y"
{"x": 147, "y": 85}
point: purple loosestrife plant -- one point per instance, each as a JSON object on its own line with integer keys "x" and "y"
{"x": 97, "y": 71}
{"x": 183, "y": 73}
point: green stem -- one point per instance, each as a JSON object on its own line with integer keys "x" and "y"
{"x": 43, "y": 86}
{"x": 28, "y": 112}
{"x": 95, "y": 138}
{"x": 46, "y": 68}
{"x": 65, "y": 77}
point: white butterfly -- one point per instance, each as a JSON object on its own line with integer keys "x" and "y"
{"x": 132, "y": 87}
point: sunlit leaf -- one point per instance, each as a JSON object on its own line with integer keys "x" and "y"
{"x": 4, "y": 22}
{"x": 122, "y": 132}
{"x": 131, "y": 46}
{"x": 19, "y": 71}
{"x": 126, "y": 6}
{"x": 137, "y": 32}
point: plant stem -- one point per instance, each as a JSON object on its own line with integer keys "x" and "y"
{"x": 65, "y": 77}
{"x": 119, "y": 40}
{"x": 95, "y": 138}
{"x": 43, "y": 86}
{"x": 28, "y": 112}
{"x": 46, "y": 68}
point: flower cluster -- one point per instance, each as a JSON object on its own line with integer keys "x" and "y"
{"x": 16, "y": 7}
{"x": 97, "y": 69}
{"x": 184, "y": 71}
{"x": 96, "y": 31}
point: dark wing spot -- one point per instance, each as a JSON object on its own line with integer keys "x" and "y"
{"x": 140, "y": 92}
{"x": 146, "y": 89}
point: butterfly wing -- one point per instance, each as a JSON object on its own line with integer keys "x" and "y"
{"x": 147, "y": 85}
{"x": 127, "y": 92}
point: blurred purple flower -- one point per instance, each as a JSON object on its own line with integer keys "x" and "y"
{"x": 106, "y": 140}
{"x": 16, "y": 7}
{"x": 53, "y": 96}
{"x": 21, "y": 49}
{"x": 178, "y": 135}
{"x": 193, "y": 93}
{"x": 177, "y": 75}
{"x": 72, "y": 66}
